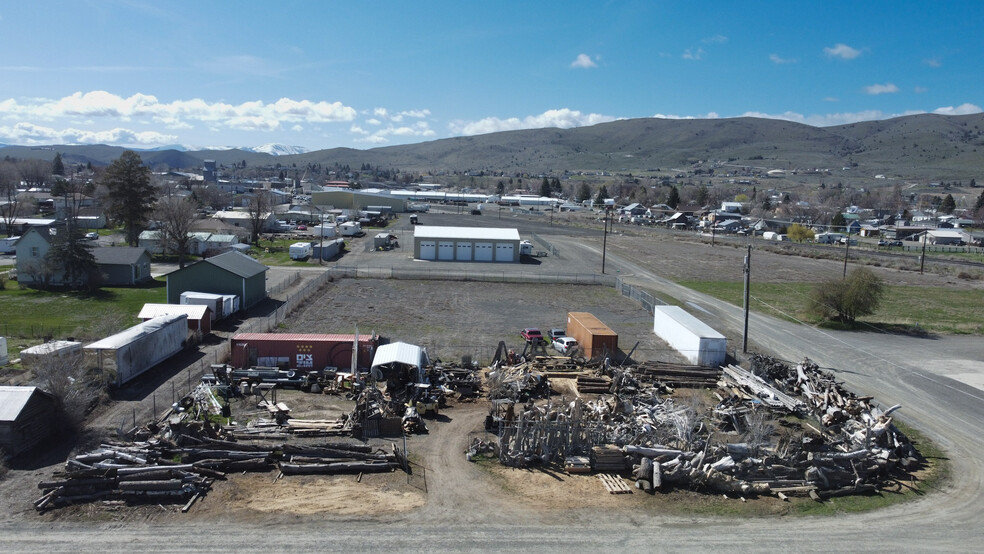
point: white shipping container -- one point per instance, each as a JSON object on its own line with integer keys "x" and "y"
{"x": 693, "y": 338}
{"x": 328, "y": 231}
{"x": 213, "y": 301}
{"x": 128, "y": 354}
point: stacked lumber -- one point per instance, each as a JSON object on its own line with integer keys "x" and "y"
{"x": 587, "y": 384}
{"x": 676, "y": 375}
{"x": 577, "y": 464}
{"x": 607, "y": 458}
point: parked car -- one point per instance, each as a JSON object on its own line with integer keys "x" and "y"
{"x": 565, "y": 345}
{"x": 532, "y": 334}
{"x": 882, "y": 242}
{"x": 555, "y": 334}
{"x": 476, "y": 212}
{"x": 92, "y": 235}
{"x": 302, "y": 227}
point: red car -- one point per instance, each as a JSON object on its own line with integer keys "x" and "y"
{"x": 532, "y": 334}
{"x": 302, "y": 227}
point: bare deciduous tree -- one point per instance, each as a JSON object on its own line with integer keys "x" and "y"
{"x": 258, "y": 210}
{"x": 9, "y": 179}
{"x": 75, "y": 388}
{"x": 175, "y": 217}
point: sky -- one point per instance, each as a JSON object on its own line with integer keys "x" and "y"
{"x": 323, "y": 74}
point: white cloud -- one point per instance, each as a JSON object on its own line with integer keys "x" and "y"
{"x": 841, "y": 51}
{"x": 716, "y": 39}
{"x": 689, "y": 54}
{"x": 776, "y": 59}
{"x": 933, "y": 62}
{"x": 374, "y": 121}
{"x": 708, "y": 115}
{"x": 297, "y": 128}
{"x": 29, "y": 134}
{"x": 563, "y": 118}
{"x": 178, "y": 114}
{"x": 379, "y": 136}
{"x": 962, "y": 109}
{"x": 920, "y": 90}
{"x": 887, "y": 88}
{"x": 583, "y": 61}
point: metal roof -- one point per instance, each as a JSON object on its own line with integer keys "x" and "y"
{"x": 118, "y": 255}
{"x": 487, "y": 233}
{"x": 237, "y": 263}
{"x": 193, "y": 311}
{"x": 52, "y": 347}
{"x": 129, "y": 335}
{"x": 13, "y": 400}
{"x": 400, "y": 352}
{"x": 689, "y": 322}
{"x": 242, "y": 337}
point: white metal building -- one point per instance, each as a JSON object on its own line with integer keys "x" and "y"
{"x": 466, "y": 244}
{"x": 693, "y": 338}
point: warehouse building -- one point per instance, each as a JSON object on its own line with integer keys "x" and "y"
{"x": 466, "y": 244}
{"x": 347, "y": 199}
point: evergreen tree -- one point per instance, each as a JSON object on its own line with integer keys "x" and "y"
{"x": 980, "y": 202}
{"x": 57, "y": 166}
{"x": 545, "y": 188}
{"x": 702, "y": 195}
{"x": 71, "y": 252}
{"x": 583, "y": 192}
{"x": 602, "y": 195}
{"x": 948, "y": 204}
{"x": 131, "y": 196}
{"x": 838, "y": 221}
{"x": 674, "y": 198}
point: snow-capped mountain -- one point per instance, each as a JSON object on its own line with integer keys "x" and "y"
{"x": 275, "y": 149}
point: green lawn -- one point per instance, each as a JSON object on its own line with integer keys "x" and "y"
{"x": 33, "y": 313}
{"x": 277, "y": 252}
{"x": 903, "y": 308}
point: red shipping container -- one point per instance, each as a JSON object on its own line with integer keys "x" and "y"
{"x": 301, "y": 351}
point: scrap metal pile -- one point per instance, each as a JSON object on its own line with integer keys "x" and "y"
{"x": 757, "y": 440}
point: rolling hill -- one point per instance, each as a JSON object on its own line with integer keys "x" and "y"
{"x": 919, "y": 147}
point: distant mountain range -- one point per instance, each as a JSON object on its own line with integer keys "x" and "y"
{"x": 917, "y": 147}
{"x": 273, "y": 149}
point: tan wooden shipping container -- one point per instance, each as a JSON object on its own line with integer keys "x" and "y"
{"x": 591, "y": 334}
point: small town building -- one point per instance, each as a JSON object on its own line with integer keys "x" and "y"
{"x": 27, "y": 418}
{"x": 230, "y": 273}
{"x": 122, "y": 265}
{"x": 466, "y": 244}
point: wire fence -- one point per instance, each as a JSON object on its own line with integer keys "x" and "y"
{"x": 376, "y": 272}
{"x": 648, "y": 300}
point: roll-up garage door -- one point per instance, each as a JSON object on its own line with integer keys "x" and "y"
{"x": 445, "y": 250}
{"x": 428, "y": 250}
{"x": 504, "y": 252}
{"x": 483, "y": 252}
{"x": 464, "y": 252}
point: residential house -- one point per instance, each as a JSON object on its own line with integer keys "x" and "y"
{"x": 122, "y": 265}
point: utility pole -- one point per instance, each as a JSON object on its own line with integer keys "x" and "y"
{"x": 922, "y": 257}
{"x": 748, "y": 273}
{"x": 604, "y": 244}
{"x": 847, "y": 248}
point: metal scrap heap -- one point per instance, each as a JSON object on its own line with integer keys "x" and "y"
{"x": 776, "y": 429}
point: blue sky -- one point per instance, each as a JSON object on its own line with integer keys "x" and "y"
{"x": 321, "y": 74}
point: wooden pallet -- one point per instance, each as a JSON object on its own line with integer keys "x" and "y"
{"x": 614, "y": 484}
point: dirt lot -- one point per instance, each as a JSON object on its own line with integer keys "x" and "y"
{"x": 455, "y": 319}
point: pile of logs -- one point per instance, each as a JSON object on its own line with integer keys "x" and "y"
{"x": 131, "y": 473}
{"x": 330, "y": 459}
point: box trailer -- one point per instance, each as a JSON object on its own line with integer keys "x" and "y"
{"x": 300, "y": 351}
{"x": 34, "y": 356}
{"x": 128, "y": 354}
{"x": 328, "y": 231}
{"x": 594, "y": 337}
{"x": 7, "y": 245}
{"x": 300, "y": 251}
{"x": 693, "y": 338}
{"x": 350, "y": 229}
{"x": 214, "y": 301}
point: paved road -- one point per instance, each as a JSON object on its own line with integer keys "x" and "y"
{"x": 894, "y": 369}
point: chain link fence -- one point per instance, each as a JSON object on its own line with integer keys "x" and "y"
{"x": 648, "y": 300}
{"x": 376, "y": 272}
